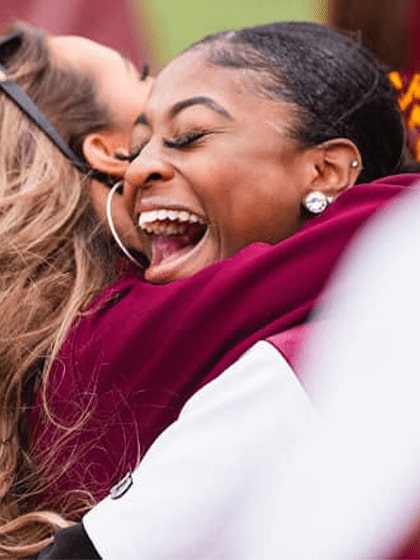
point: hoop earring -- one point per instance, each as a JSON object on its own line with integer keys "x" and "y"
{"x": 316, "y": 202}
{"x": 111, "y": 225}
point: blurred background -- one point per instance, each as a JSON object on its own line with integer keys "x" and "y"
{"x": 153, "y": 30}
{"x": 156, "y": 30}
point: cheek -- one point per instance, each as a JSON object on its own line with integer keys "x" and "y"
{"x": 243, "y": 203}
{"x": 266, "y": 211}
{"x": 129, "y": 196}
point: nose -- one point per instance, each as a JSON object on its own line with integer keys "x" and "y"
{"x": 146, "y": 170}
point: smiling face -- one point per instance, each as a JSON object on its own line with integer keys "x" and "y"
{"x": 218, "y": 169}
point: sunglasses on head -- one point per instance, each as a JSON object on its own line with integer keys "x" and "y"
{"x": 9, "y": 45}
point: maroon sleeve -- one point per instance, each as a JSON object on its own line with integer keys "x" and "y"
{"x": 133, "y": 360}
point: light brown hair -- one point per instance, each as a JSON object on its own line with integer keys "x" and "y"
{"x": 54, "y": 258}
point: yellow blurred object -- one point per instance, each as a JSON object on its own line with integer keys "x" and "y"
{"x": 407, "y": 85}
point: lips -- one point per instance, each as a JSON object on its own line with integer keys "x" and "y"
{"x": 171, "y": 235}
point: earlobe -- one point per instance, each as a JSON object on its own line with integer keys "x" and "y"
{"x": 99, "y": 150}
{"x": 338, "y": 163}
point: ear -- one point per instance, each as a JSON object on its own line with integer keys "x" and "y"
{"x": 99, "y": 149}
{"x": 337, "y": 164}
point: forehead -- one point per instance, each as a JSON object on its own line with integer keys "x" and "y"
{"x": 191, "y": 75}
{"x": 92, "y": 59}
{"x": 80, "y": 51}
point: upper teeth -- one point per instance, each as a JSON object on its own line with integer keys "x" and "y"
{"x": 172, "y": 215}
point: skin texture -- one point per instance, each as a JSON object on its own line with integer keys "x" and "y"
{"x": 227, "y": 156}
{"x": 120, "y": 88}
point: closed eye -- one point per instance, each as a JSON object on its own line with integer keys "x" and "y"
{"x": 185, "y": 140}
{"x": 131, "y": 156}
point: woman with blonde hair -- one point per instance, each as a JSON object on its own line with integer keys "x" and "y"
{"x": 62, "y": 120}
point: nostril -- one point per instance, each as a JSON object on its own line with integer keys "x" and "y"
{"x": 153, "y": 177}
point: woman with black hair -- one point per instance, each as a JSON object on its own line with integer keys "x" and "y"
{"x": 260, "y": 153}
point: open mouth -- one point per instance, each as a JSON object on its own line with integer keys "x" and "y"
{"x": 170, "y": 234}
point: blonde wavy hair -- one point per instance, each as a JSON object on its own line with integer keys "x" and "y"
{"x": 54, "y": 258}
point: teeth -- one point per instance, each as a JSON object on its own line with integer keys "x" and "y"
{"x": 161, "y": 215}
{"x": 165, "y": 229}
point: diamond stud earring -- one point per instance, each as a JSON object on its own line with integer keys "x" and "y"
{"x": 316, "y": 202}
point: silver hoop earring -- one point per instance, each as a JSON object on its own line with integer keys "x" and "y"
{"x": 111, "y": 225}
{"x": 316, "y": 202}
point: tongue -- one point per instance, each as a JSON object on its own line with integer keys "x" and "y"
{"x": 166, "y": 246}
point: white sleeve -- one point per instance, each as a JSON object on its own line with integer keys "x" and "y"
{"x": 200, "y": 491}
{"x": 352, "y": 488}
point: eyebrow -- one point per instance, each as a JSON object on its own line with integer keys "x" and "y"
{"x": 190, "y": 102}
{"x": 200, "y": 100}
{"x": 141, "y": 119}
{"x": 144, "y": 71}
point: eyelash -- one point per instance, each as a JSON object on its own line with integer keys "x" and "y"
{"x": 185, "y": 140}
{"x": 131, "y": 155}
{"x": 181, "y": 142}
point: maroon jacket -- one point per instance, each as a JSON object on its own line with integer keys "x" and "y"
{"x": 131, "y": 362}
